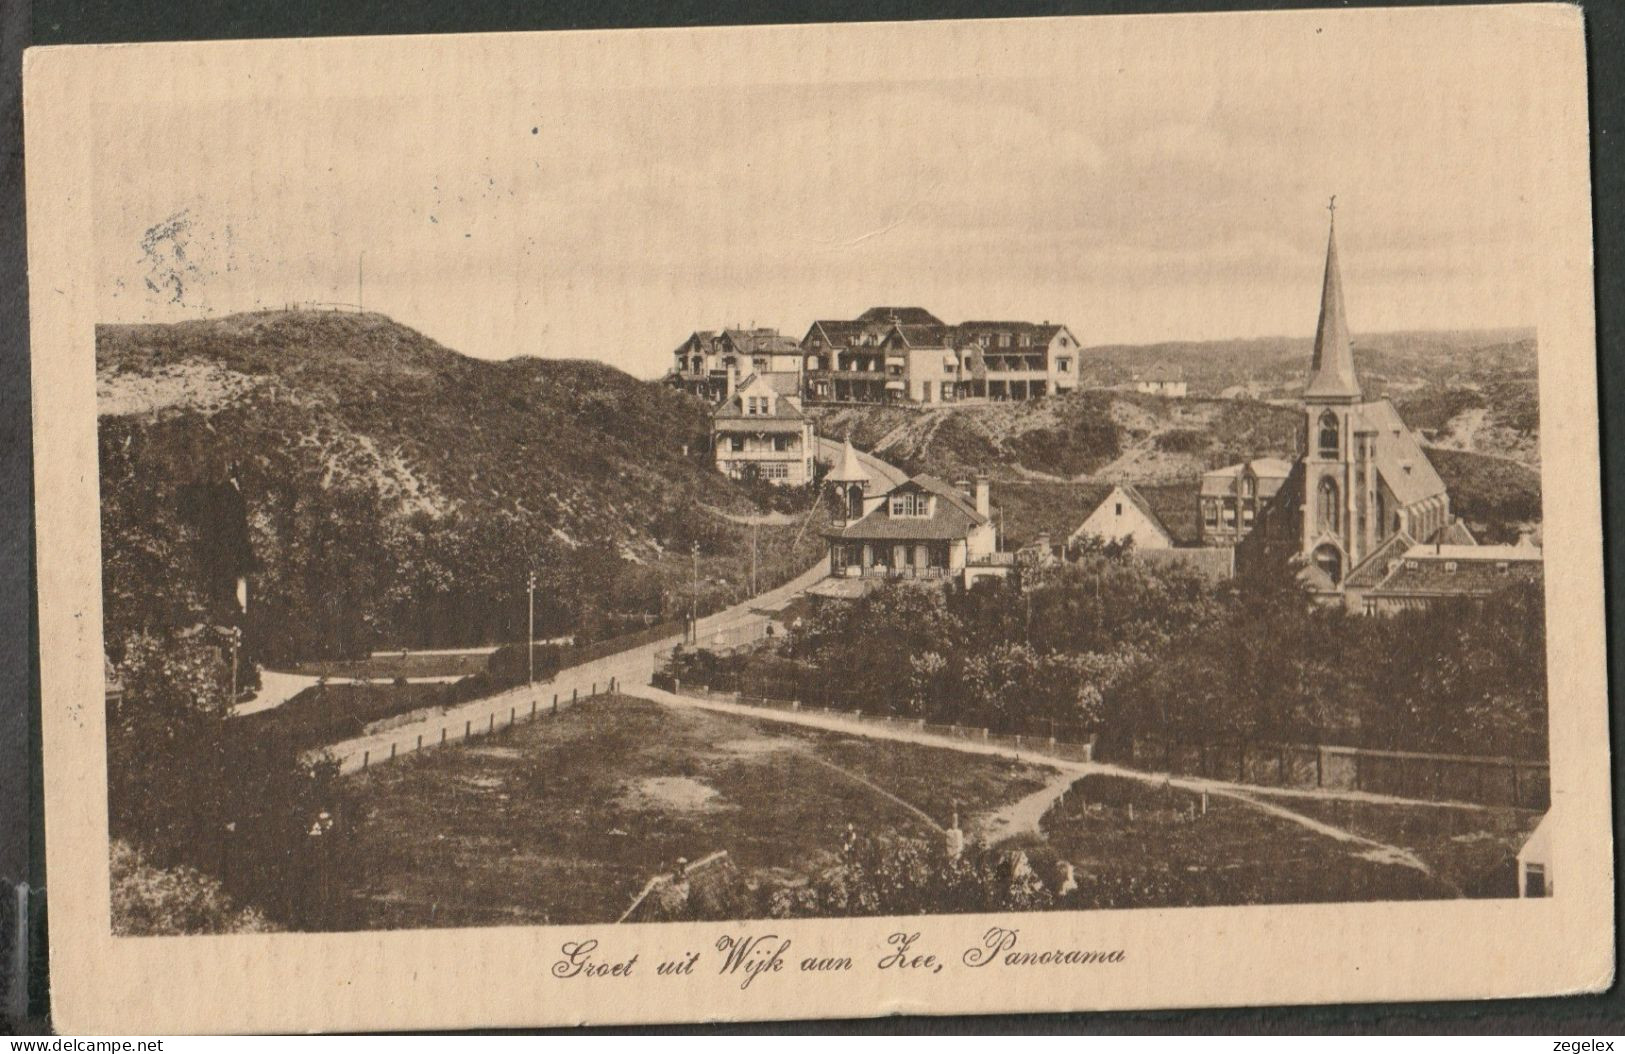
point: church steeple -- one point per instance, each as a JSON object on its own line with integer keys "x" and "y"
{"x": 1331, "y": 371}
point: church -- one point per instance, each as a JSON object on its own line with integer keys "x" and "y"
{"x": 1361, "y": 489}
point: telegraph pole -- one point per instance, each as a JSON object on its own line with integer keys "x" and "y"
{"x": 530, "y": 632}
{"x": 694, "y": 599}
{"x": 755, "y": 532}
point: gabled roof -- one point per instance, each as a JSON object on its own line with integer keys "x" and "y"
{"x": 839, "y": 333}
{"x": 927, "y": 336}
{"x": 1374, "y": 568}
{"x": 952, "y": 517}
{"x": 905, "y": 315}
{"x": 1132, "y": 495}
{"x": 1162, "y": 371}
{"x": 699, "y": 336}
{"x": 1453, "y": 533}
{"x": 762, "y": 342}
{"x": 1458, "y": 576}
{"x": 1040, "y": 332}
{"x": 1218, "y": 482}
{"x": 785, "y": 408}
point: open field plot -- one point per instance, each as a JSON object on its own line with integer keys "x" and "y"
{"x": 565, "y": 819}
{"x": 1471, "y": 848}
{"x": 1167, "y": 852}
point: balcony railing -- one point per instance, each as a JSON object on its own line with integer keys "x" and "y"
{"x": 885, "y": 571}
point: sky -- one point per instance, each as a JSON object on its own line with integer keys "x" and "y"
{"x": 602, "y": 195}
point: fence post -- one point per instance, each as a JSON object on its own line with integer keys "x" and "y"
{"x": 575, "y": 693}
{"x": 392, "y": 752}
{"x": 468, "y": 727}
{"x": 420, "y": 740}
{"x": 366, "y": 756}
{"x": 984, "y": 735}
{"x": 555, "y": 702}
{"x": 492, "y": 726}
{"x": 533, "y": 709}
{"x": 595, "y": 688}
{"x": 442, "y": 735}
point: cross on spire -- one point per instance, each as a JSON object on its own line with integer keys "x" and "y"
{"x": 1331, "y": 207}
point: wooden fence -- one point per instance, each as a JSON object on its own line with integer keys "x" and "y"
{"x": 472, "y": 728}
{"x": 1435, "y": 777}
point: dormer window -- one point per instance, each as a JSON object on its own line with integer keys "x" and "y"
{"x": 910, "y": 505}
{"x": 1450, "y": 567}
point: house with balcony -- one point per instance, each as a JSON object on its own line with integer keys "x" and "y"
{"x": 760, "y": 431}
{"x": 1017, "y": 360}
{"x": 846, "y": 362}
{"x": 711, "y": 363}
{"x": 923, "y": 528}
{"x": 908, "y": 355}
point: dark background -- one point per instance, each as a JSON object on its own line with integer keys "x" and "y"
{"x": 25, "y": 23}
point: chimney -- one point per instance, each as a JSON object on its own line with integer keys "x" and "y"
{"x": 733, "y": 380}
{"x": 982, "y": 505}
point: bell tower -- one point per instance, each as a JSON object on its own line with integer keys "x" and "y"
{"x": 1336, "y": 460}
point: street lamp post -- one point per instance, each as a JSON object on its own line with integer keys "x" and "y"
{"x": 530, "y": 631}
{"x": 694, "y": 598}
{"x": 236, "y": 641}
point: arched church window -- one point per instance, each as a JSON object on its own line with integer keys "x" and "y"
{"x": 1328, "y": 435}
{"x": 1326, "y": 508}
{"x": 1329, "y": 560}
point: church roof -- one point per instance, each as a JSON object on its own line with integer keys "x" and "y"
{"x": 1399, "y": 457}
{"x": 1331, "y": 371}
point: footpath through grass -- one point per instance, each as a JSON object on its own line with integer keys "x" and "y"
{"x": 1473, "y": 849}
{"x": 565, "y": 819}
{"x": 1140, "y": 844}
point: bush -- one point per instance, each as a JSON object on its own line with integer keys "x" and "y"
{"x": 154, "y": 902}
{"x": 1182, "y": 441}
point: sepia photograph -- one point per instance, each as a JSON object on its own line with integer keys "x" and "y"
{"x": 1046, "y": 470}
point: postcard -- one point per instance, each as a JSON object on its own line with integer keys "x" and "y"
{"x": 754, "y": 523}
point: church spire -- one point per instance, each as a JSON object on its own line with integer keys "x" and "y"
{"x": 1331, "y": 371}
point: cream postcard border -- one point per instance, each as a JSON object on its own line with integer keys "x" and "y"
{"x": 497, "y": 977}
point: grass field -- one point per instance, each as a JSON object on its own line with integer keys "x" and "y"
{"x": 1172, "y": 854}
{"x": 1472, "y": 849}
{"x": 565, "y": 819}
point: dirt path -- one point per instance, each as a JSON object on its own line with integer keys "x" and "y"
{"x": 1378, "y": 852}
{"x": 1023, "y": 816}
{"x": 1120, "y": 465}
{"x": 761, "y": 519}
{"x": 882, "y": 791}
